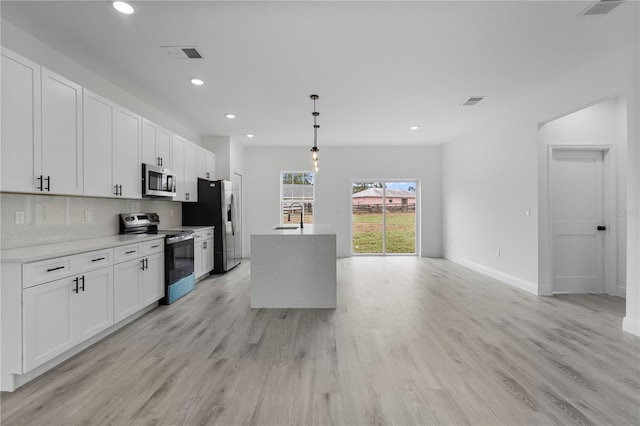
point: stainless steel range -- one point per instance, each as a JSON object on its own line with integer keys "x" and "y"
{"x": 178, "y": 253}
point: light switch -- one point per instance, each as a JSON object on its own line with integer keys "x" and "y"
{"x": 87, "y": 215}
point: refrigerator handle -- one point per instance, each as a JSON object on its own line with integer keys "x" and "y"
{"x": 231, "y": 218}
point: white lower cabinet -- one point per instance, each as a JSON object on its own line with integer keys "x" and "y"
{"x": 59, "y": 314}
{"x": 67, "y": 300}
{"x": 138, "y": 282}
{"x": 203, "y": 252}
{"x": 127, "y": 289}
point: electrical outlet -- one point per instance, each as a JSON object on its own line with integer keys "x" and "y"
{"x": 19, "y": 218}
{"x": 87, "y": 215}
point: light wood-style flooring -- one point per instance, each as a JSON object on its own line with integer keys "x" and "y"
{"x": 413, "y": 341}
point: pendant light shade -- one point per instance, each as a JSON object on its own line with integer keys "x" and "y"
{"x": 314, "y": 150}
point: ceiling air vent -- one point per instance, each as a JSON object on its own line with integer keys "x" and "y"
{"x": 473, "y": 100}
{"x": 601, "y": 7}
{"x": 182, "y": 52}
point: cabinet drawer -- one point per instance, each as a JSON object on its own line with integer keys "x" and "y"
{"x": 93, "y": 260}
{"x": 208, "y": 233}
{"x": 45, "y": 271}
{"x": 128, "y": 252}
{"x": 151, "y": 247}
{"x": 198, "y": 235}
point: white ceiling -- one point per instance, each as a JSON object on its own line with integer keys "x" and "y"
{"x": 378, "y": 67}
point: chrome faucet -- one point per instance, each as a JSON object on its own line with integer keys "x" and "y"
{"x": 301, "y": 214}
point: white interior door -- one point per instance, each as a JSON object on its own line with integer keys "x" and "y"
{"x": 577, "y": 198}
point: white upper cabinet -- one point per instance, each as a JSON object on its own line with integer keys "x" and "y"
{"x": 185, "y": 167}
{"x": 111, "y": 149}
{"x": 156, "y": 145}
{"x": 99, "y": 117}
{"x": 21, "y": 143}
{"x": 191, "y": 172}
{"x": 178, "y": 167}
{"x": 206, "y": 164}
{"x": 61, "y": 135}
{"x": 128, "y": 157}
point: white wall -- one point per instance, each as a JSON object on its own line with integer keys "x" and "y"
{"x": 338, "y": 166}
{"x": 603, "y": 124}
{"x": 31, "y": 48}
{"x": 490, "y": 176}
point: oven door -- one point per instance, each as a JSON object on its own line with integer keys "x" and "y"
{"x": 178, "y": 261}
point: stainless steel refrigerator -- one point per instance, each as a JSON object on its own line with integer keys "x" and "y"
{"x": 219, "y": 206}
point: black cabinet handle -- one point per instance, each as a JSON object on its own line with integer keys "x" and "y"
{"x": 208, "y": 175}
{"x": 75, "y": 290}
{"x": 48, "y": 179}
{"x": 602, "y": 228}
{"x": 55, "y": 269}
{"x": 159, "y": 161}
{"x": 129, "y": 252}
{"x": 116, "y": 188}
{"x": 146, "y": 263}
{"x": 100, "y": 258}
{"x": 40, "y": 187}
{"x": 82, "y": 278}
{"x": 156, "y": 246}
{"x": 142, "y": 264}
{"x": 120, "y": 186}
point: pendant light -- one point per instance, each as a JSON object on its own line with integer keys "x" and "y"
{"x": 314, "y": 150}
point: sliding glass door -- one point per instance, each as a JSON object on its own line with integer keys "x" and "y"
{"x": 384, "y": 217}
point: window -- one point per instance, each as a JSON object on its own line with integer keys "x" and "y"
{"x": 297, "y": 187}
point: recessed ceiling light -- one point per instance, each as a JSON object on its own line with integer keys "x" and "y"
{"x": 197, "y": 81}
{"x": 123, "y": 7}
{"x": 413, "y": 128}
{"x": 230, "y": 115}
{"x": 249, "y": 135}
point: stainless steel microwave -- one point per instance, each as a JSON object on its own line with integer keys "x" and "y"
{"x": 158, "y": 181}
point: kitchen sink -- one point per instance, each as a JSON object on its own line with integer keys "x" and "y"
{"x": 281, "y": 227}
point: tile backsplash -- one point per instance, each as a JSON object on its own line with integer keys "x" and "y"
{"x": 50, "y": 219}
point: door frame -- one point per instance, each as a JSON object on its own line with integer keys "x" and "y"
{"x": 610, "y": 254}
{"x": 418, "y": 243}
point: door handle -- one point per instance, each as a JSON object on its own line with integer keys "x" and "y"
{"x": 82, "y": 279}
{"x": 48, "y": 179}
{"x": 75, "y": 290}
{"x": 40, "y": 186}
{"x": 602, "y": 228}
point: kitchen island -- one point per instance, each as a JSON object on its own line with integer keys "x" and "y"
{"x": 294, "y": 268}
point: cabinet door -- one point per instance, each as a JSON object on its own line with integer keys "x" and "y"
{"x": 128, "y": 163}
{"x": 178, "y": 167}
{"x": 198, "y": 258}
{"x": 210, "y": 158}
{"x": 61, "y": 134}
{"x": 201, "y": 162}
{"x": 127, "y": 288}
{"x": 49, "y": 318}
{"x": 95, "y": 302}
{"x": 163, "y": 148}
{"x": 153, "y": 279}
{"x": 190, "y": 172}
{"x": 149, "y": 138}
{"x": 208, "y": 255}
{"x": 99, "y": 130}
{"x": 20, "y": 147}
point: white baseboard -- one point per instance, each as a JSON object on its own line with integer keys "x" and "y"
{"x": 620, "y": 291}
{"x": 506, "y": 278}
{"x": 631, "y": 326}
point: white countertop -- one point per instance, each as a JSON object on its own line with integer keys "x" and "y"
{"x": 67, "y": 248}
{"x": 315, "y": 229}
